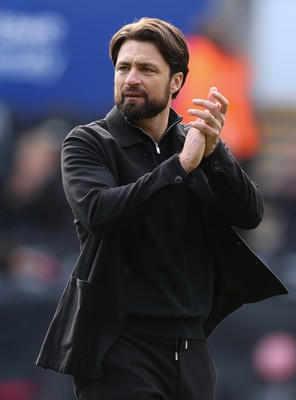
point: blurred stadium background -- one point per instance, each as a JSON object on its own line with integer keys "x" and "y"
{"x": 55, "y": 73}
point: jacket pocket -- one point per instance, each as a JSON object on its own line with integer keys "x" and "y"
{"x": 78, "y": 319}
{"x": 70, "y": 343}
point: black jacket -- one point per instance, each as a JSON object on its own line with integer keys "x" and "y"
{"x": 111, "y": 186}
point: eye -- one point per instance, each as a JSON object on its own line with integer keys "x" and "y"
{"x": 147, "y": 69}
{"x": 122, "y": 68}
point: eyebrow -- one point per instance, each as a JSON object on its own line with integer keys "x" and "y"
{"x": 138, "y": 63}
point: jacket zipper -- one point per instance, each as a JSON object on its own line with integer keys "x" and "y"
{"x": 165, "y": 132}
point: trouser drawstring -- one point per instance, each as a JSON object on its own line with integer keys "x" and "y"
{"x": 178, "y": 344}
{"x": 177, "y": 350}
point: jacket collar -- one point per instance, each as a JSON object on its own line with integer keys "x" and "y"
{"x": 127, "y": 134}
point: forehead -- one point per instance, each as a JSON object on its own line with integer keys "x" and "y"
{"x": 140, "y": 52}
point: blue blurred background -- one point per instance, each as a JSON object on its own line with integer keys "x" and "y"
{"x": 54, "y": 55}
{"x": 55, "y": 73}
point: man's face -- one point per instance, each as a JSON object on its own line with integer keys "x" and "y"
{"x": 142, "y": 84}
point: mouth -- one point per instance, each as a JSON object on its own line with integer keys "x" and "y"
{"x": 131, "y": 95}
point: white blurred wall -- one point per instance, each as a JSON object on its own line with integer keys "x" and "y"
{"x": 272, "y": 34}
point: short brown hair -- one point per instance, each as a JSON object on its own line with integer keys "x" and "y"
{"x": 170, "y": 41}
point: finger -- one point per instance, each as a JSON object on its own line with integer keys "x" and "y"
{"x": 203, "y": 116}
{"x": 222, "y": 101}
{"x": 207, "y": 124}
{"x": 211, "y": 120}
{"x": 207, "y": 106}
{"x": 214, "y": 108}
{"x": 211, "y": 97}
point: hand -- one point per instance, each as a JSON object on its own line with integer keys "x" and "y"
{"x": 211, "y": 119}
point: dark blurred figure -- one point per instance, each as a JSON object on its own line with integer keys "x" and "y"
{"x": 36, "y": 242}
{"x": 258, "y": 351}
{"x": 6, "y": 138}
{"x": 285, "y": 200}
{"x": 30, "y": 283}
{"x": 32, "y": 204}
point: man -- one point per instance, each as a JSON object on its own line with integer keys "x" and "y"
{"x": 154, "y": 201}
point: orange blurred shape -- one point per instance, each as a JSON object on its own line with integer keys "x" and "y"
{"x": 212, "y": 65}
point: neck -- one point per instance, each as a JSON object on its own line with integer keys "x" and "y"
{"x": 156, "y": 126}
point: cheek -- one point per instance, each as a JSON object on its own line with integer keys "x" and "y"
{"x": 118, "y": 82}
{"x": 117, "y": 88}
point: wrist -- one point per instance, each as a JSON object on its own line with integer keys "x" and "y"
{"x": 185, "y": 163}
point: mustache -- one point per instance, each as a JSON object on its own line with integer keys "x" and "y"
{"x": 133, "y": 91}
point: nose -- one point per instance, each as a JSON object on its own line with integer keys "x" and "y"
{"x": 133, "y": 77}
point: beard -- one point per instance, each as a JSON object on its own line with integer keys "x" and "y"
{"x": 149, "y": 108}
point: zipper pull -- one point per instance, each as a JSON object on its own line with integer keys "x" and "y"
{"x": 176, "y": 356}
{"x": 157, "y": 148}
{"x": 186, "y": 344}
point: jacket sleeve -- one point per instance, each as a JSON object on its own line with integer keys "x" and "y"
{"x": 239, "y": 197}
{"x": 92, "y": 170}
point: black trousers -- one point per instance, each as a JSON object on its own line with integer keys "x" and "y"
{"x": 146, "y": 367}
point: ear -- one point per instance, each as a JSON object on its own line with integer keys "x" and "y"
{"x": 176, "y": 82}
